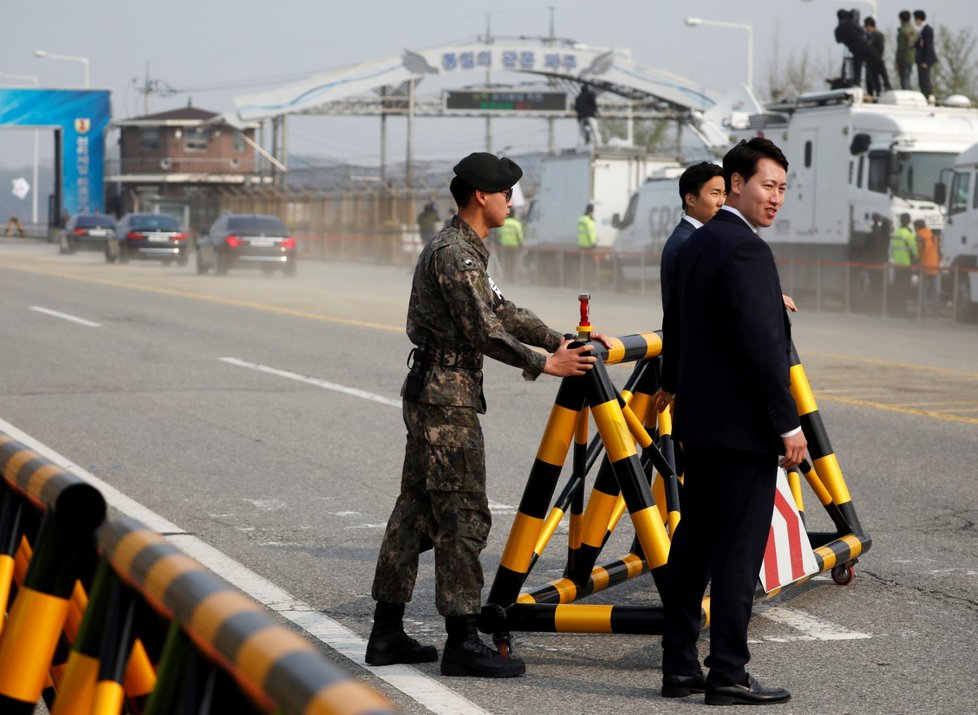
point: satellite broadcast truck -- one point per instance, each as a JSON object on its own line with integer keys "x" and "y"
{"x": 960, "y": 240}
{"x": 603, "y": 176}
{"x": 854, "y": 167}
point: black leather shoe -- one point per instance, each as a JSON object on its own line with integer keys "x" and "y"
{"x": 679, "y": 686}
{"x": 749, "y": 693}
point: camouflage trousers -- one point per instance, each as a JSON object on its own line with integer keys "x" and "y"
{"x": 442, "y": 504}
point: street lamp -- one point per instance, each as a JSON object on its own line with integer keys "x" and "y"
{"x": 36, "y": 81}
{"x": 43, "y": 54}
{"x": 694, "y": 21}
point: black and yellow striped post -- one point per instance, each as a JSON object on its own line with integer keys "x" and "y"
{"x": 584, "y": 618}
{"x": 620, "y": 447}
{"x": 76, "y": 694}
{"x": 578, "y": 474}
{"x": 540, "y": 486}
{"x": 71, "y": 509}
{"x": 820, "y": 448}
{"x": 271, "y": 664}
{"x": 609, "y": 574}
{"x": 836, "y": 552}
{"x": 11, "y": 508}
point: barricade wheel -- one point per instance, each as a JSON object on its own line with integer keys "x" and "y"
{"x": 503, "y": 644}
{"x": 843, "y": 573}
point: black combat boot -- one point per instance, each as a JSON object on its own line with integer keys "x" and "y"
{"x": 466, "y": 654}
{"x": 389, "y": 644}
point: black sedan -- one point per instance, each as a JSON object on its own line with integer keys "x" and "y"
{"x": 247, "y": 241}
{"x": 86, "y": 231}
{"x": 145, "y": 235}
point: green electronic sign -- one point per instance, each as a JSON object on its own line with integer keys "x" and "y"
{"x": 505, "y": 101}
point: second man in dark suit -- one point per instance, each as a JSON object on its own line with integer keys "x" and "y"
{"x": 926, "y": 54}
{"x": 726, "y": 370}
{"x": 702, "y": 192}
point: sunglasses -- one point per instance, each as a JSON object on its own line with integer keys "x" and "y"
{"x": 508, "y": 193}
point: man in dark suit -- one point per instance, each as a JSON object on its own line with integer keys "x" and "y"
{"x": 701, "y": 190}
{"x": 926, "y": 54}
{"x": 877, "y": 78}
{"x": 726, "y": 370}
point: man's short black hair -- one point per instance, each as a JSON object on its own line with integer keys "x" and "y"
{"x": 843, "y": 14}
{"x": 461, "y": 191}
{"x": 743, "y": 158}
{"x": 919, "y": 15}
{"x": 870, "y": 22}
{"x": 904, "y": 16}
{"x": 695, "y": 177}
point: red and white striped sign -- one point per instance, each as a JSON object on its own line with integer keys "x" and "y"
{"x": 789, "y": 555}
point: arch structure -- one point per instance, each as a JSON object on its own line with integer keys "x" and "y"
{"x": 378, "y": 87}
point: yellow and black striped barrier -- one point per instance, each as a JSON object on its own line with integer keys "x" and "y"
{"x": 57, "y": 513}
{"x": 108, "y": 618}
{"x": 272, "y": 665}
{"x": 650, "y": 488}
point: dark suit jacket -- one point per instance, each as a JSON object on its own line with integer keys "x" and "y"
{"x": 727, "y": 342}
{"x": 925, "y": 46}
{"x": 667, "y": 264}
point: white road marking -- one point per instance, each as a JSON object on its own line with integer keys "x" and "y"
{"x": 428, "y": 692}
{"x": 501, "y": 509}
{"x": 267, "y": 504}
{"x": 65, "y": 316}
{"x": 812, "y": 628}
{"x": 363, "y": 394}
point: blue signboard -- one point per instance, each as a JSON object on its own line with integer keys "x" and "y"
{"x": 83, "y": 116}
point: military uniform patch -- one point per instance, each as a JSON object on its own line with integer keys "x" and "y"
{"x": 467, "y": 263}
{"x": 495, "y": 289}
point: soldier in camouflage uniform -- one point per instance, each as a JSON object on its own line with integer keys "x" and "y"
{"x": 455, "y": 316}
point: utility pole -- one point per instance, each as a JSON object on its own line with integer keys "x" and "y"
{"x": 551, "y": 142}
{"x": 488, "y": 86}
{"x": 152, "y": 86}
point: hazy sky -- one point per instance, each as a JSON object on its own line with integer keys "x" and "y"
{"x": 212, "y": 51}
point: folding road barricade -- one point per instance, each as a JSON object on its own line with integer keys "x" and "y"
{"x": 637, "y": 473}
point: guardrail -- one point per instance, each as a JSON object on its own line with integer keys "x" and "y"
{"x": 109, "y": 617}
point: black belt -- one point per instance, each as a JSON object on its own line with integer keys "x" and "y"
{"x": 463, "y": 359}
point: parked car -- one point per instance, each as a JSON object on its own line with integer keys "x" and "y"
{"x": 246, "y": 240}
{"x": 144, "y": 235}
{"x": 85, "y": 231}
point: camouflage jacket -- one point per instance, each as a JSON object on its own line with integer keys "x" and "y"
{"x": 456, "y": 306}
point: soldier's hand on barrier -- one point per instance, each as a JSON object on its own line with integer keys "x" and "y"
{"x": 662, "y": 399}
{"x": 568, "y": 362}
{"x": 602, "y": 338}
{"x": 795, "y": 447}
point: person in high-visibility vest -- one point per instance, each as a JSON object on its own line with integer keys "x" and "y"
{"x": 930, "y": 267}
{"x": 510, "y": 236}
{"x": 587, "y": 239}
{"x": 587, "y": 230}
{"x": 903, "y": 254}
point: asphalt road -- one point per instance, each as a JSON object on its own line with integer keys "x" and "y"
{"x": 229, "y": 406}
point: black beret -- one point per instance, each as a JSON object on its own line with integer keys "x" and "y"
{"x": 487, "y": 172}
